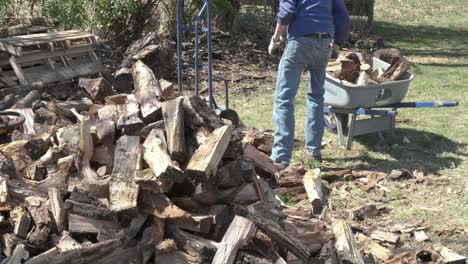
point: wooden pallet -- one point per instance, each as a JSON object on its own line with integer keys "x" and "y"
{"x": 48, "y": 57}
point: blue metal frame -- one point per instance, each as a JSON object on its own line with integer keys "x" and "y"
{"x": 205, "y": 9}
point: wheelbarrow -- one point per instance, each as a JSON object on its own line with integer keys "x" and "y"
{"x": 378, "y": 102}
{"x": 9, "y": 121}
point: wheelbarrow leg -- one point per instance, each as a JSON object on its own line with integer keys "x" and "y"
{"x": 351, "y": 131}
{"x": 339, "y": 129}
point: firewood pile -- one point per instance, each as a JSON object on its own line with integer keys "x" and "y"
{"x": 154, "y": 176}
{"x": 352, "y": 69}
{"x": 147, "y": 177}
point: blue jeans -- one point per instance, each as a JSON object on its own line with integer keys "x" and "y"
{"x": 312, "y": 54}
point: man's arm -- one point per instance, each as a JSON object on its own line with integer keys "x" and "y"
{"x": 280, "y": 30}
{"x": 341, "y": 21}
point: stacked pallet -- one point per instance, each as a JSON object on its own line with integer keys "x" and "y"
{"x": 39, "y": 59}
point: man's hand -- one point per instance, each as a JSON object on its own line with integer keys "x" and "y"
{"x": 274, "y": 46}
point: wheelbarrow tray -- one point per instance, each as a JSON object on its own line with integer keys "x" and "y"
{"x": 346, "y": 96}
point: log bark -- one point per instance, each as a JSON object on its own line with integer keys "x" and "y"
{"x": 345, "y": 244}
{"x": 165, "y": 171}
{"x": 127, "y": 164}
{"x": 230, "y": 175}
{"x": 37, "y": 170}
{"x": 263, "y": 164}
{"x": 239, "y": 233}
{"x": 202, "y": 249}
{"x": 147, "y": 91}
{"x": 265, "y": 221}
{"x": 204, "y": 162}
{"x": 173, "y": 115}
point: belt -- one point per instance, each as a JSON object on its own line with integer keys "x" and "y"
{"x": 318, "y": 35}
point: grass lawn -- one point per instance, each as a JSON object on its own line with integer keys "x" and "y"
{"x": 433, "y": 35}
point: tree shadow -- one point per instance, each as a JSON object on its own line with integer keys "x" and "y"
{"x": 428, "y": 41}
{"x": 424, "y": 151}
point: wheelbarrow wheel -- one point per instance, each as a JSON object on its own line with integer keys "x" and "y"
{"x": 330, "y": 122}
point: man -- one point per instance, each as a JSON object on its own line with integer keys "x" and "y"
{"x": 312, "y": 26}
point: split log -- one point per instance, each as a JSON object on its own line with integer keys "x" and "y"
{"x": 313, "y": 187}
{"x": 174, "y": 122}
{"x": 167, "y": 88}
{"x": 7, "y": 167}
{"x": 263, "y": 164}
{"x": 123, "y": 80}
{"x": 265, "y": 221}
{"x": 247, "y": 195}
{"x": 129, "y": 121}
{"x": 239, "y": 233}
{"x": 87, "y": 148}
{"x": 37, "y": 170}
{"x": 104, "y": 230}
{"x": 147, "y": 91}
{"x": 363, "y": 79}
{"x": 105, "y": 131}
{"x": 165, "y": 171}
{"x": 20, "y": 191}
{"x": 202, "y": 249}
{"x": 108, "y": 112}
{"x": 66, "y": 242}
{"x": 449, "y": 256}
{"x": 349, "y": 70}
{"x": 57, "y": 208}
{"x": 230, "y": 175}
{"x": 27, "y": 101}
{"x": 88, "y": 208}
{"x": 127, "y": 164}
{"x": 345, "y": 244}
{"x": 42, "y": 223}
{"x": 160, "y": 206}
{"x": 22, "y": 222}
{"x": 204, "y": 162}
{"x": 197, "y": 114}
{"x": 97, "y": 88}
{"x": 63, "y": 109}
{"x": 103, "y": 154}
{"x": 372, "y": 247}
{"x": 397, "y": 69}
{"x": 386, "y": 237}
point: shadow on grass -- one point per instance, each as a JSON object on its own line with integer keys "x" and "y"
{"x": 427, "y": 41}
{"x": 426, "y": 151}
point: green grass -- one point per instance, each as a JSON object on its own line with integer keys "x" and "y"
{"x": 433, "y": 35}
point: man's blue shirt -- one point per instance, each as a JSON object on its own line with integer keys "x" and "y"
{"x": 305, "y": 17}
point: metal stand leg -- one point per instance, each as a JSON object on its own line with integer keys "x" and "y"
{"x": 339, "y": 128}
{"x": 351, "y": 131}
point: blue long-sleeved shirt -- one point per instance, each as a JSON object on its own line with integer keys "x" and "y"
{"x": 315, "y": 16}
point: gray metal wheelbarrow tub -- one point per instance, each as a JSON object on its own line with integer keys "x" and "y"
{"x": 340, "y": 95}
